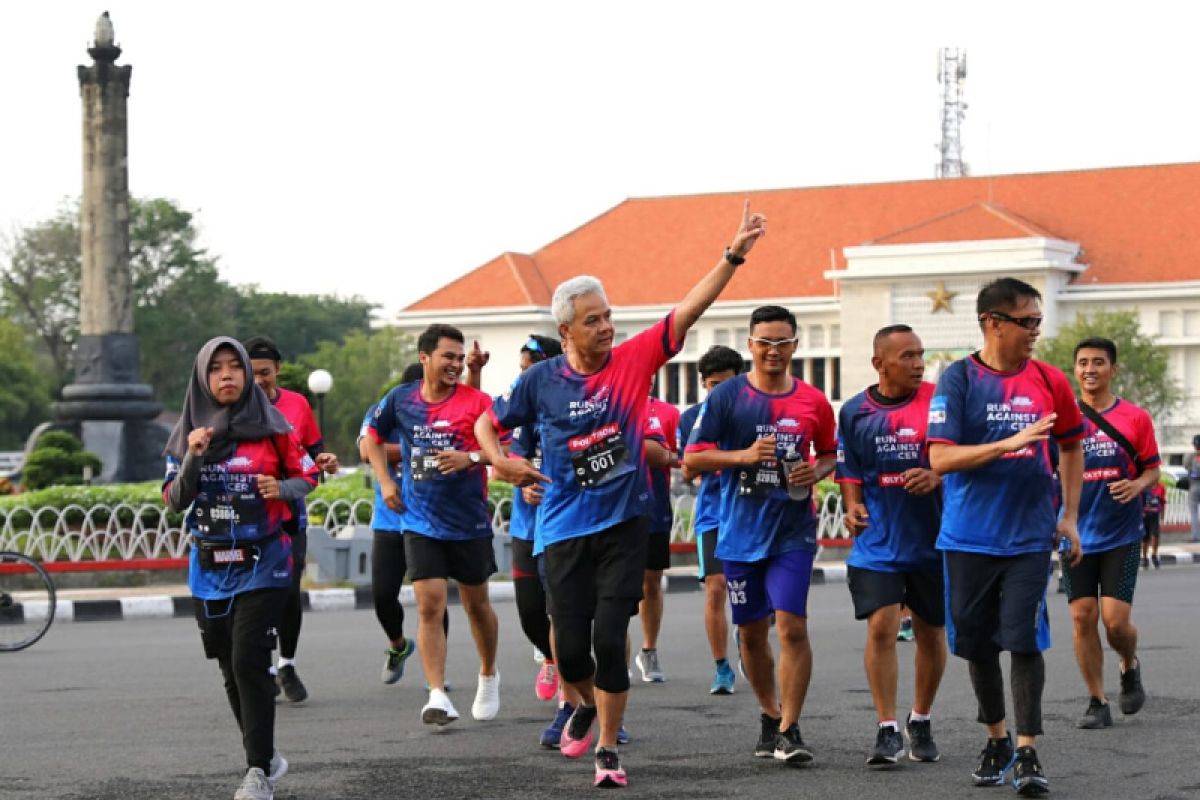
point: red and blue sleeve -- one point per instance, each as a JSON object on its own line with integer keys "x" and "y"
{"x": 1068, "y": 427}
{"x": 848, "y": 470}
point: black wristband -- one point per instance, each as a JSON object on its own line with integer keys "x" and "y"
{"x": 737, "y": 261}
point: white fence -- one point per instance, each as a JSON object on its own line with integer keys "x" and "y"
{"x": 125, "y": 532}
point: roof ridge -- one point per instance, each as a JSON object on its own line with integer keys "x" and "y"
{"x": 1015, "y": 219}
{"x": 510, "y": 258}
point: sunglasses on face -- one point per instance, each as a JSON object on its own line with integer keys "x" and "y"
{"x": 775, "y": 344}
{"x": 1029, "y": 323}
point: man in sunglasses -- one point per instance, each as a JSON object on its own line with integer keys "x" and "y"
{"x": 590, "y": 410}
{"x": 990, "y": 424}
{"x": 760, "y": 430}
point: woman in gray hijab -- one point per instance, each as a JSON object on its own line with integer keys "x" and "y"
{"x": 233, "y": 460}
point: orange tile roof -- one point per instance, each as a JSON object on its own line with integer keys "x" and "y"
{"x": 1136, "y": 224}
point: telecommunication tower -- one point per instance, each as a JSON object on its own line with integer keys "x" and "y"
{"x": 952, "y": 74}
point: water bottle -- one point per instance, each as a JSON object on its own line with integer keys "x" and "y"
{"x": 790, "y": 460}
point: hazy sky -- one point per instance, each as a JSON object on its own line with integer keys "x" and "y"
{"x": 382, "y": 149}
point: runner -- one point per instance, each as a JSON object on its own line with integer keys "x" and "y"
{"x": 662, "y": 426}
{"x": 442, "y": 500}
{"x": 264, "y": 361}
{"x": 893, "y": 509}
{"x": 1154, "y": 503}
{"x": 388, "y": 564}
{"x": 1120, "y": 465}
{"x": 589, "y": 407}
{"x": 989, "y": 424}
{"x": 232, "y": 459}
{"x": 716, "y": 366}
{"x": 758, "y": 429}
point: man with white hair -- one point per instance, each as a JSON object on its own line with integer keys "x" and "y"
{"x": 590, "y": 409}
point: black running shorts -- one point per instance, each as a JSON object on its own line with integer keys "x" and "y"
{"x": 1150, "y": 524}
{"x": 658, "y": 551}
{"x": 706, "y": 548}
{"x": 922, "y": 591}
{"x": 468, "y": 561}
{"x": 524, "y": 565}
{"x": 996, "y": 603}
{"x": 1112, "y": 573}
{"x": 606, "y": 565}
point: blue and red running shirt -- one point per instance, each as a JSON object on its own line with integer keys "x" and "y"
{"x": 662, "y": 426}
{"x": 523, "y": 522}
{"x": 1006, "y": 507}
{"x": 756, "y": 526}
{"x": 447, "y": 507}
{"x": 383, "y": 518}
{"x": 227, "y": 494}
{"x": 1104, "y": 523}
{"x": 295, "y": 408}
{"x": 591, "y": 429}
{"x": 706, "y": 513}
{"x": 877, "y": 444}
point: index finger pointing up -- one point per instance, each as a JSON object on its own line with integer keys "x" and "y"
{"x": 746, "y": 214}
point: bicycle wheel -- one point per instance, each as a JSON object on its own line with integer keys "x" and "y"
{"x": 27, "y": 601}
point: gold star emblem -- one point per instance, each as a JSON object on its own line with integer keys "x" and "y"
{"x": 941, "y": 298}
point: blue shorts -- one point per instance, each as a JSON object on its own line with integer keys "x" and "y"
{"x": 777, "y": 583}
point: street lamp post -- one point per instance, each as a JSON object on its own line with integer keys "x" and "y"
{"x": 319, "y": 383}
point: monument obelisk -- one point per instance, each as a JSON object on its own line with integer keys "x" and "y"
{"x": 112, "y": 412}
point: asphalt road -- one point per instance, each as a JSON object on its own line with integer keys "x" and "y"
{"x": 132, "y": 710}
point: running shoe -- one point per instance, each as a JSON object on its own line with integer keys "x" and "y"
{"x": 994, "y": 761}
{"x": 1145, "y": 563}
{"x": 790, "y": 746}
{"x": 487, "y": 698}
{"x": 1132, "y": 696}
{"x": 906, "y": 631}
{"x": 1098, "y": 715}
{"x": 1028, "y": 778}
{"x": 889, "y": 747}
{"x": 921, "y": 746}
{"x": 279, "y": 768}
{"x": 290, "y": 683}
{"x": 608, "y": 769}
{"x": 553, "y": 733}
{"x": 622, "y": 734}
{"x": 723, "y": 679}
{"x": 439, "y": 710}
{"x": 577, "y": 734}
{"x": 765, "y": 747}
{"x": 647, "y": 662}
{"x": 538, "y": 655}
{"x": 255, "y": 786}
{"x": 1154, "y": 561}
{"x": 393, "y": 664}
{"x": 546, "y": 685}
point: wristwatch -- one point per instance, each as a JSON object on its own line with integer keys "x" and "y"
{"x": 474, "y": 456}
{"x": 733, "y": 259}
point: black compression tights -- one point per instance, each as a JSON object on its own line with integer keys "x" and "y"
{"x": 578, "y": 636}
{"x": 531, "y": 609}
{"x": 1028, "y": 681}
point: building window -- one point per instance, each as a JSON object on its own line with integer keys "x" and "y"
{"x": 721, "y": 336}
{"x": 1168, "y": 324}
{"x": 835, "y": 392}
{"x": 816, "y": 337}
{"x": 835, "y": 335}
{"x": 818, "y": 374}
{"x": 740, "y": 337}
{"x": 691, "y": 383}
{"x": 798, "y": 368}
{"x": 1191, "y": 323}
{"x": 672, "y": 395}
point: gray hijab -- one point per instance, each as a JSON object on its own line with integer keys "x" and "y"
{"x": 250, "y": 418}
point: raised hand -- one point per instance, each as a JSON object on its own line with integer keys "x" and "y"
{"x": 477, "y": 359}
{"x": 198, "y": 441}
{"x": 327, "y": 462}
{"x": 753, "y": 228}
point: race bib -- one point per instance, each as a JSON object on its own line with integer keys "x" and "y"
{"x": 760, "y": 480}
{"x": 422, "y": 464}
{"x": 218, "y": 517}
{"x": 599, "y": 456}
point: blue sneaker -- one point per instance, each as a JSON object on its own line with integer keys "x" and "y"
{"x": 553, "y": 732}
{"x": 622, "y": 734}
{"x": 723, "y": 679}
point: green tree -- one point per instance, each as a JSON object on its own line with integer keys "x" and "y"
{"x": 359, "y": 365}
{"x": 299, "y": 323}
{"x": 1143, "y": 376}
{"x": 24, "y": 388}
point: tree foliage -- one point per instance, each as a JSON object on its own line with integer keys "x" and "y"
{"x": 298, "y": 322}
{"x": 24, "y": 389}
{"x": 1143, "y": 377}
{"x": 58, "y": 459}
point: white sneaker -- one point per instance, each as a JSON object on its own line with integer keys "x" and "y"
{"x": 279, "y": 768}
{"x": 255, "y": 786}
{"x": 487, "y": 698}
{"x": 439, "y": 710}
{"x": 647, "y": 662}
{"x": 538, "y": 656}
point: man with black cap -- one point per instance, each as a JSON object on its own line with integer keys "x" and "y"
{"x": 264, "y": 362}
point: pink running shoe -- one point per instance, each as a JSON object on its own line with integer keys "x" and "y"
{"x": 577, "y": 734}
{"x": 546, "y": 684}
{"x": 608, "y": 769}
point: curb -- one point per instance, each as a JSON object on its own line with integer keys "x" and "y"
{"x": 177, "y": 606}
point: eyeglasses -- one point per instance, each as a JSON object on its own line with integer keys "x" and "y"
{"x": 1029, "y": 323}
{"x": 775, "y": 344}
